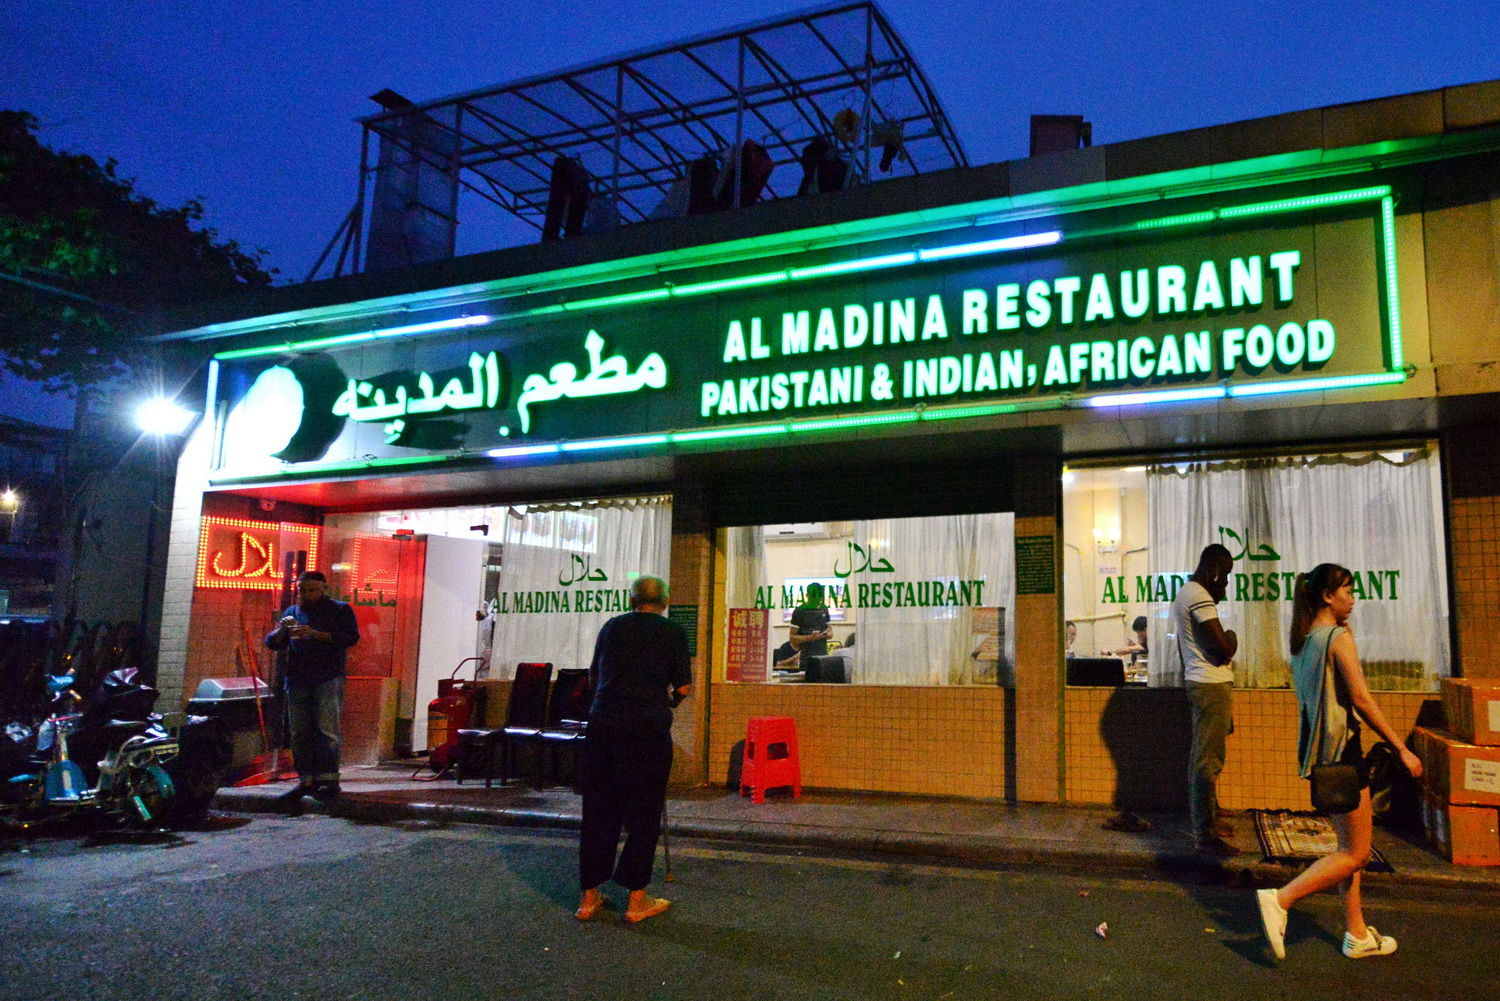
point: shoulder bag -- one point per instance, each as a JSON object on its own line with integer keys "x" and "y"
{"x": 1335, "y": 787}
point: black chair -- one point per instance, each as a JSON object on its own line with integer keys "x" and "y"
{"x": 567, "y": 721}
{"x": 825, "y": 671}
{"x": 525, "y": 715}
{"x": 1106, "y": 672}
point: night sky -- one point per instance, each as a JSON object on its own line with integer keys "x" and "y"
{"x": 249, "y": 105}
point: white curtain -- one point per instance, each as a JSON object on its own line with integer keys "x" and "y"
{"x": 1379, "y": 514}
{"x": 934, "y": 645}
{"x": 745, "y": 566}
{"x": 556, "y": 548}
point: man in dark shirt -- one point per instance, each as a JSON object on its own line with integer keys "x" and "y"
{"x": 810, "y": 630}
{"x": 316, "y": 632}
{"x": 640, "y": 672}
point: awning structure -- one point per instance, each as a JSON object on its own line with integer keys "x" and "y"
{"x": 636, "y": 123}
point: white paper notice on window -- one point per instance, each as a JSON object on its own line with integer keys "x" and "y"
{"x": 1495, "y": 714}
{"x": 1482, "y": 776}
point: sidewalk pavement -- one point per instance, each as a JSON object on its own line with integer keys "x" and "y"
{"x": 948, "y": 831}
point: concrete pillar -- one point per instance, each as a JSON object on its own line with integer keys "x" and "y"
{"x": 1471, "y": 456}
{"x": 1038, "y": 727}
{"x": 182, "y": 565}
{"x": 692, "y": 582}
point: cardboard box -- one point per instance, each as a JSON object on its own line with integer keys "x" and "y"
{"x": 1456, "y": 771}
{"x": 1472, "y": 706}
{"x": 1464, "y": 835}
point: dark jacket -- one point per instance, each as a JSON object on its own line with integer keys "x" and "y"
{"x": 311, "y": 662}
{"x": 637, "y": 656}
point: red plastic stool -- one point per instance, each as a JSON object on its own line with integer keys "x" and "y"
{"x": 770, "y": 757}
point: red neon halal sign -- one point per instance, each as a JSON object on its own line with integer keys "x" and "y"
{"x": 246, "y": 555}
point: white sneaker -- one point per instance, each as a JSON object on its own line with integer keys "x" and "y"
{"x": 1273, "y": 920}
{"x": 1373, "y": 944}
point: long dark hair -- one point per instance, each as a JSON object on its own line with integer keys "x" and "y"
{"x": 1308, "y": 601}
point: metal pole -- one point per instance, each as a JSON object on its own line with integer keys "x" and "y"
{"x": 869, "y": 71}
{"x": 359, "y": 200}
{"x": 666, "y": 839}
{"x": 739, "y": 126}
{"x": 619, "y": 134}
{"x": 455, "y": 167}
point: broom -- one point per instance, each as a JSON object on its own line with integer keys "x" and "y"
{"x": 266, "y": 766}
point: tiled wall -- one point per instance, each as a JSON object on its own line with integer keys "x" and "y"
{"x": 217, "y": 618}
{"x": 1475, "y": 528}
{"x": 876, "y": 738}
{"x": 1128, "y": 744}
{"x": 176, "y": 625}
{"x": 692, "y": 584}
{"x": 1134, "y": 742}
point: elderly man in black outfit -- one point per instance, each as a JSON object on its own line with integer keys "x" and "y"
{"x": 640, "y": 672}
{"x": 316, "y": 634}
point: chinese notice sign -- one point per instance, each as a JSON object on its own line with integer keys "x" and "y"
{"x": 749, "y": 635}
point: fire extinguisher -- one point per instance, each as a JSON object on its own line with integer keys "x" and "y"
{"x": 454, "y": 708}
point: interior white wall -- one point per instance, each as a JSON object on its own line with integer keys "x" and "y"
{"x": 452, "y": 589}
{"x": 804, "y": 558}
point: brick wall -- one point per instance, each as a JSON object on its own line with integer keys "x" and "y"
{"x": 947, "y": 741}
{"x": 1134, "y": 742}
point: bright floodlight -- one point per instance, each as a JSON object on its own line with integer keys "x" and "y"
{"x": 162, "y": 416}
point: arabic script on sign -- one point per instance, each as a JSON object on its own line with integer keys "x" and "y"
{"x": 578, "y": 569}
{"x": 361, "y": 401}
{"x": 265, "y": 556}
{"x": 606, "y": 377}
{"x": 1263, "y": 552}
{"x": 860, "y": 561}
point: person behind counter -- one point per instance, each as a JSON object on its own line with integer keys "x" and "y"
{"x": 1070, "y": 635}
{"x": 1136, "y": 649}
{"x": 810, "y": 629}
{"x": 845, "y": 649}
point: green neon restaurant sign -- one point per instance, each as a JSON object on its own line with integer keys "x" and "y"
{"x": 1227, "y": 301}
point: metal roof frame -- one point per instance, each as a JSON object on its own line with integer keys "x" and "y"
{"x": 637, "y": 121}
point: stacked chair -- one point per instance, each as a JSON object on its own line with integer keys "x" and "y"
{"x": 525, "y": 715}
{"x": 567, "y": 721}
{"x": 550, "y": 714}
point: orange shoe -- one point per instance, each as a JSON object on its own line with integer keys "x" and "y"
{"x": 650, "y": 907}
{"x": 591, "y": 904}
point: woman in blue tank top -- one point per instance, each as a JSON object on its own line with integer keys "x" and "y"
{"x": 1333, "y": 697}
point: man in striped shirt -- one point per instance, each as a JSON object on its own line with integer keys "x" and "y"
{"x": 1206, "y": 651}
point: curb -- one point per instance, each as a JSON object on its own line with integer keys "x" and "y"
{"x": 937, "y": 848}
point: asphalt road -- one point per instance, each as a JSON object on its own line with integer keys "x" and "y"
{"x": 315, "y": 907}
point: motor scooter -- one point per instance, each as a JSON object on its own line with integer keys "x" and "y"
{"x": 110, "y": 758}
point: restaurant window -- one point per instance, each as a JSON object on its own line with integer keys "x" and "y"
{"x": 507, "y": 583}
{"x": 1132, "y": 536}
{"x": 891, "y": 601}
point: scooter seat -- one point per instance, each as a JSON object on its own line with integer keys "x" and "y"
{"x": 136, "y": 725}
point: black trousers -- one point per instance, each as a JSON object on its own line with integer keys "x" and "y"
{"x": 625, "y": 771}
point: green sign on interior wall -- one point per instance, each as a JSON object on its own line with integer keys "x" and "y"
{"x": 1034, "y": 564}
{"x": 686, "y": 616}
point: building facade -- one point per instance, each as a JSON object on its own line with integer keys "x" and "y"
{"x": 975, "y": 424}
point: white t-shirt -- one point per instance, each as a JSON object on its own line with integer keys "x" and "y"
{"x": 1194, "y": 604}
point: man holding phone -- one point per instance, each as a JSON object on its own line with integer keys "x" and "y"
{"x": 1206, "y": 651}
{"x": 316, "y": 632}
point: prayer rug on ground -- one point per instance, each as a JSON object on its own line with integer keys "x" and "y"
{"x": 1291, "y": 837}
